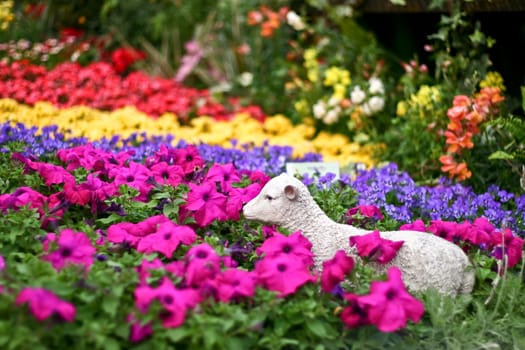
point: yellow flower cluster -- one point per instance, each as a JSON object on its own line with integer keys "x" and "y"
{"x": 6, "y": 14}
{"x": 311, "y": 65}
{"x": 81, "y": 121}
{"x": 493, "y": 79}
{"x": 422, "y": 102}
{"x": 339, "y": 79}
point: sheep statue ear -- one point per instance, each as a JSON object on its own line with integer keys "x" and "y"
{"x": 290, "y": 191}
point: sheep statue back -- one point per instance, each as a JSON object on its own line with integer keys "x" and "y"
{"x": 426, "y": 261}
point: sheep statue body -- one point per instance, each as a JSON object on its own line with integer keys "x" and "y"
{"x": 426, "y": 261}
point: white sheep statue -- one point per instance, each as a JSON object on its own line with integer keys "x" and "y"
{"x": 426, "y": 261}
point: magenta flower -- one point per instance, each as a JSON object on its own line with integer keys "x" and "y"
{"x": 175, "y": 301}
{"x": 138, "y": 332}
{"x": 166, "y": 239}
{"x": 506, "y": 243}
{"x": 389, "y": 305}
{"x": 238, "y": 197}
{"x": 146, "y": 266}
{"x": 224, "y": 175}
{"x": 73, "y": 248}
{"x": 296, "y": 246}
{"x": 43, "y": 304}
{"x": 363, "y": 214}
{"x": 374, "y": 247}
{"x": 418, "y": 225}
{"x": 2, "y": 263}
{"x": 54, "y": 174}
{"x": 444, "y": 229}
{"x": 133, "y": 233}
{"x": 21, "y": 197}
{"x": 202, "y": 263}
{"x": 234, "y": 284}
{"x": 166, "y": 174}
{"x": 135, "y": 175}
{"x": 335, "y": 270}
{"x": 354, "y": 314}
{"x": 283, "y": 274}
{"x": 473, "y": 234}
{"x": 205, "y": 203}
{"x": 189, "y": 159}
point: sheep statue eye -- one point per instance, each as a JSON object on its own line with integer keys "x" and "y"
{"x": 268, "y": 197}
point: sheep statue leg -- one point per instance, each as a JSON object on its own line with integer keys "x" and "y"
{"x": 425, "y": 260}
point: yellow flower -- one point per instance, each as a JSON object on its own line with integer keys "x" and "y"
{"x": 401, "y": 108}
{"x": 335, "y": 75}
{"x": 6, "y": 14}
{"x": 493, "y": 79}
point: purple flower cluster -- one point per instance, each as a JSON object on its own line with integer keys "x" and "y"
{"x": 400, "y": 197}
{"x": 267, "y": 158}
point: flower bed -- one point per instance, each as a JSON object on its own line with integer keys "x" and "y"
{"x": 157, "y": 248}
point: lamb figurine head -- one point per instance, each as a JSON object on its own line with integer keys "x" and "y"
{"x": 426, "y": 261}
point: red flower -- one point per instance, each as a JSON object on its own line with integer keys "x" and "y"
{"x": 122, "y": 58}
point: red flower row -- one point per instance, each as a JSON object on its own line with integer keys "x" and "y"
{"x": 98, "y": 85}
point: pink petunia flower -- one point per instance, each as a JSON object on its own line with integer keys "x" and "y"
{"x": 444, "y": 229}
{"x": 166, "y": 239}
{"x": 189, "y": 159}
{"x": 505, "y": 243}
{"x": 374, "y": 247}
{"x": 296, "y": 246}
{"x": 389, "y": 305}
{"x": 335, "y": 270}
{"x": 202, "y": 263}
{"x": 43, "y": 304}
{"x": 224, "y": 175}
{"x": 363, "y": 214}
{"x": 418, "y": 225}
{"x": 166, "y": 174}
{"x": 138, "y": 332}
{"x": 135, "y": 175}
{"x": 73, "y": 248}
{"x": 283, "y": 274}
{"x": 234, "y": 284}
{"x": 205, "y": 203}
{"x": 355, "y": 313}
{"x": 133, "y": 233}
{"x": 473, "y": 234}
{"x": 176, "y": 302}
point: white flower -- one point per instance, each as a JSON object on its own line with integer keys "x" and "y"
{"x": 334, "y": 101}
{"x": 332, "y": 116}
{"x": 376, "y": 104}
{"x": 245, "y": 79}
{"x": 295, "y": 21}
{"x": 319, "y": 109}
{"x": 357, "y": 95}
{"x": 344, "y": 11}
{"x": 376, "y": 86}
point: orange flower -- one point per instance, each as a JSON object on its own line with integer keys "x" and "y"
{"x": 457, "y": 112}
{"x": 458, "y": 142}
{"x": 254, "y": 18}
{"x": 461, "y": 100}
{"x": 454, "y": 169}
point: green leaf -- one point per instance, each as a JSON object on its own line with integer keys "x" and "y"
{"x": 523, "y": 98}
{"x": 500, "y": 155}
{"x": 317, "y": 327}
{"x": 398, "y": 2}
